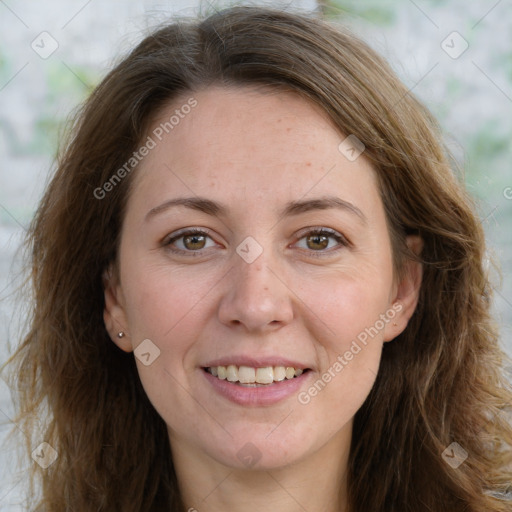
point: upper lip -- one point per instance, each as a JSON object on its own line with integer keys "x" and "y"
{"x": 256, "y": 362}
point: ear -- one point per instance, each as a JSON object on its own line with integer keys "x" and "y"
{"x": 114, "y": 314}
{"x": 407, "y": 291}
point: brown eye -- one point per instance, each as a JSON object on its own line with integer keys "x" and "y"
{"x": 318, "y": 242}
{"x": 194, "y": 242}
{"x": 191, "y": 241}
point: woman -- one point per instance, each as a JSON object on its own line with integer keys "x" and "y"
{"x": 258, "y": 283}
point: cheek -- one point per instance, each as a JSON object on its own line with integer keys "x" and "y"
{"x": 162, "y": 303}
{"x": 352, "y": 316}
{"x": 168, "y": 309}
{"x": 347, "y": 302}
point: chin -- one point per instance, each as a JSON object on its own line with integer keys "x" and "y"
{"x": 260, "y": 453}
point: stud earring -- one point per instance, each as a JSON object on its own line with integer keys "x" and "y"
{"x": 120, "y": 334}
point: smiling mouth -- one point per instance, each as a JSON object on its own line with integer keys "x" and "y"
{"x": 253, "y": 377}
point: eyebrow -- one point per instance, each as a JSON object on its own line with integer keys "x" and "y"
{"x": 291, "y": 208}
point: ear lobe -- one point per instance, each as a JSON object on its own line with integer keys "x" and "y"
{"x": 113, "y": 314}
{"x": 407, "y": 292}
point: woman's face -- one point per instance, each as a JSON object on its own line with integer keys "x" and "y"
{"x": 292, "y": 268}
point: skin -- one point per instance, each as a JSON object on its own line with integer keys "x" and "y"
{"x": 254, "y": 151}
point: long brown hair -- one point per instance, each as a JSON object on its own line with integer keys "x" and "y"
{"x": 440, "y": 382}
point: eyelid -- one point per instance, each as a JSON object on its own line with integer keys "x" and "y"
{"x": 185, "y": 231}
{"x": 322, "y": 229}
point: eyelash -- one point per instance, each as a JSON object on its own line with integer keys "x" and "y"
{"x": 311, "y": 232}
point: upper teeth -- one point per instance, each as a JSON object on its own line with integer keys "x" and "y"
{"x": 248, "y": 375}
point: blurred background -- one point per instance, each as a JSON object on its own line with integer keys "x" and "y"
{"x": 454, "y": 55}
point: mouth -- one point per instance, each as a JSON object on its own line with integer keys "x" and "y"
{"x": 248, "y": 376}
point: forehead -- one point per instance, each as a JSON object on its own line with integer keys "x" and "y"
{"x": 245, "y": 143}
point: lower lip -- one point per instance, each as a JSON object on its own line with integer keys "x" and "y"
{"x": 259, "y": 395}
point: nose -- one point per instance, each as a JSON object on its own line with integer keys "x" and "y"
{"x": 257, "y": 296}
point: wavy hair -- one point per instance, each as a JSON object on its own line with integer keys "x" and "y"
{"x": 441, "y": 381}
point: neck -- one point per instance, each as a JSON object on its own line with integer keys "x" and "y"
{"x": 316, "y": 483}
